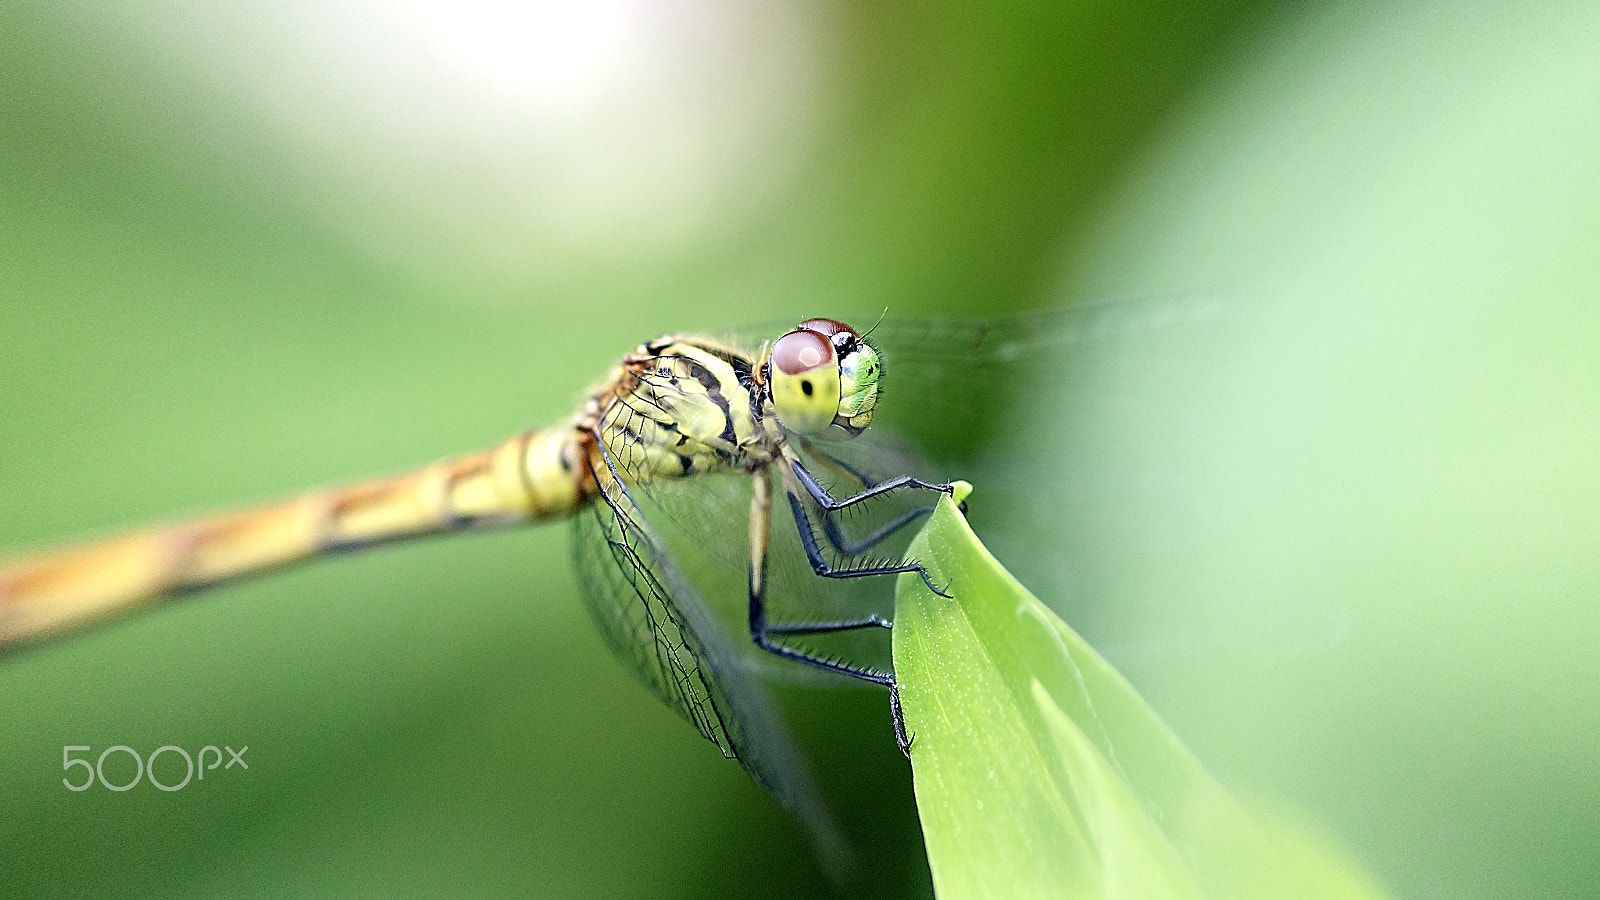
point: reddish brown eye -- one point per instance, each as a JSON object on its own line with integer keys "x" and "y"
{"x": 826, "y": 327}
{"x": 801, "y": 351}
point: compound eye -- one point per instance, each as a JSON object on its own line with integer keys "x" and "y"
{"x": 805, "y": 381}
{"x": 828, "y": 327}
{"x": 801, "y": 351}
{"x": 843, "y": 336}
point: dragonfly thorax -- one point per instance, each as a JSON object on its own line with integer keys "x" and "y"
{"x": 681, "y": 406}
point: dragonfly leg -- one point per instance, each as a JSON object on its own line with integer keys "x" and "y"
{"x": 870, "y": 488}
{"x": 865, "y": 479}
{"x": 846, "y": 547}
{"x": 808, "y": 539}
{"x": 760, "y": 631}
{"x": 827, "y": 502}
{"x": 872, "y": 621}
{"x": 901, "y": 737}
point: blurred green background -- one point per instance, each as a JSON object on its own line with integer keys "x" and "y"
{"x": 1340, "y": 529}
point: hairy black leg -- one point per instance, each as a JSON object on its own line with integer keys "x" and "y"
{"x": 826, "y": 501}
{"x": 872, "y": 621}
{"x": 847, "y": 547}
{"x": 831, "y": 529}
{"x": 865, "y": 479}
{"x": 808, "y": 539}
{"x": 900, "y": 735}
{"x": 760, "y": 631}
{"x": 870, "y": 489}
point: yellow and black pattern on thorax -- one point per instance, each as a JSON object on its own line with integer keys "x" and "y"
{"x": 682, "y": 406}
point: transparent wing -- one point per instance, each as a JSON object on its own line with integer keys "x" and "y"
{"x": 628, "y": 593}
{"x": 951, "y": 385}
{"x": 657, "y": 624}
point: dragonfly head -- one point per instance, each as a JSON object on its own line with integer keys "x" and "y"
{"x": 823, "y": 380}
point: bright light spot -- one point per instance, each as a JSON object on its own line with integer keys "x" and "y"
{"x": 505, "y": 142}
{"x": 556, "y": 50}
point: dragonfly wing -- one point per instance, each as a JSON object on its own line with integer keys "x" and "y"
{"x": 948, "y": 383}
{"x": 950, "y": 386}
{"x": 657, "y": 624}
{"x": 629, "y": 594}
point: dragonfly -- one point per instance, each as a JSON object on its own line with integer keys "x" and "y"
{"x": 680, "y": 408}
{"x": 690, "y": 443}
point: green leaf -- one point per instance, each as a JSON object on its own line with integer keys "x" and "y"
{"x": 1041, "y": 772}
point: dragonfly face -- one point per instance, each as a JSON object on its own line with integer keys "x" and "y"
{"x": 823, "y": 380}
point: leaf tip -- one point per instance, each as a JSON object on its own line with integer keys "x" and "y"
{"x": 960, "y": 491}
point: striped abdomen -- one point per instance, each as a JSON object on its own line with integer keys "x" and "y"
{"x": 531, "y": 477}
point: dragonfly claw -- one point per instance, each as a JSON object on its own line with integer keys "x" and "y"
{"x": 928, "y": 580}
{"x": 901, "y": 737}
